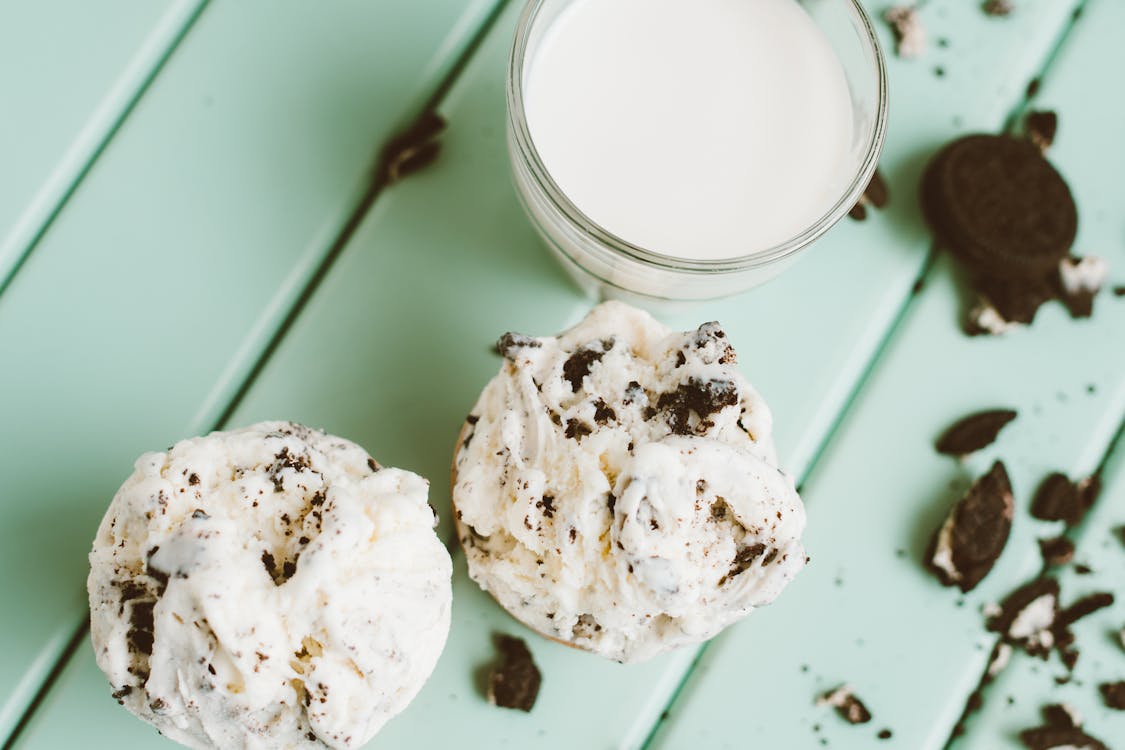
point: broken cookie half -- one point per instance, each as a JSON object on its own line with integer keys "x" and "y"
{"x": 973, "y": 535}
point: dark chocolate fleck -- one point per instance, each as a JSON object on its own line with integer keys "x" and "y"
{"x": 603, "y": 413}
{"x": 703, "y": 398}
{"x": 578, "y": 365}
{"x": 547, "y": 505}
{"x": 576, "y": 430}
{"x": 193, "y": 478}
{"x": 743, "y": 559}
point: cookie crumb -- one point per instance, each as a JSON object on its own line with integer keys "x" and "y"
{"x": 998, "y": 7}
{"x": 974, "y": 432}
{"x": 1113, "y": 694}
{"x": 844, "y": 700}
{"x": 910, "y": 33}
{"x": 515, "y": 682}
{"x": 1057, "y": 550}
{"x": 1041, "y": 126}
{"x": 412, "y": 150}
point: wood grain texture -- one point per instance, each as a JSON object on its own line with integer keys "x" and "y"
{"x": 141, "y": 311}
{"x": 69, "y": 72}
{"x": 395, "y": 344}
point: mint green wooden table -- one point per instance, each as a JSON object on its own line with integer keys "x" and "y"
{"x": 187, "y": 241}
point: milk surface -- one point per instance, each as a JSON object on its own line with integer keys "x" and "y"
{"x": 702, "y": 129}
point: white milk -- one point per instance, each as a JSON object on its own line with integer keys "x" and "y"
{"x": 701, "y": 129}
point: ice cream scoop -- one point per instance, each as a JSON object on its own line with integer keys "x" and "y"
{"x": 268, "y": 587}
{"x": 616, "y": 487}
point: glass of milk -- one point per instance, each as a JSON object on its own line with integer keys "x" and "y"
{"x": 689, "y": 149}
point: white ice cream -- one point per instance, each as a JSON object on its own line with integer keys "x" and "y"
{"x": 617, "y": 487}
{"x": 270, "y": 587}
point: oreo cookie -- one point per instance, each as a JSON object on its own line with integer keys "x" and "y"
{"x": 1000, "y": 207}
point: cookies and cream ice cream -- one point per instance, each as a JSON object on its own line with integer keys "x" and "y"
{"x": 269, "y": 587}
{"x": 616, "y": 487}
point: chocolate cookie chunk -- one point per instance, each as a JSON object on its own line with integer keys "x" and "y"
{"x": 847, "y": 704}
{"x": 1026, "y": 617}
{"x": 515, "y": 683}
{"x": 969, "y": 542}
{"x": 970, "y": 434}
{"x": 1059, "y": 499}
{"x": 1059, "y": 738}
{"x": 1113, "y": 693}
{"x": 1000, "y": 207}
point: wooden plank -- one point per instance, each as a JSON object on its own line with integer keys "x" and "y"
{"x": 68, "y": 73}
{"x": 1092, "y": 156}
{"x": 392, "y": 353}
{"x": 156, "y": 290}
{"x": 881, "y": 488}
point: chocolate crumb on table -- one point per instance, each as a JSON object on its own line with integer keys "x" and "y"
{"x": 1061, "y": 729}
{"x": 410, "y": 151}
{"x": 972, "y": 537}
{"x": 974, "y": 432}
{"x": 1061, "y": 715}
{"x": 1059, "y": 499}
{"x": 1113, "y": 694}
{"x": 910, "y": 33}
{"x": 515, "y": 682}
{"x": 847, "y": 704}
{"x": 1041, "y": 128}
{"x": 1056, "y": 551}
{"x": 998, "y": 7}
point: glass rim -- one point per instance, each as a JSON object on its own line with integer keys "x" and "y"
{"x": 521, "y": 135}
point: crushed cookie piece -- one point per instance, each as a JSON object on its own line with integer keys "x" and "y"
{"x": 511, "y": 344}
{"x": 847, "y": 705}
{"x": 972, "y": 537}
{"x": 974, "y": 432}
{"x": 1041, "y": 128}
{"x": 998, "y": 7}
{"x": 515, "y": 682}
{"x": 910, "y": 33}
{"x": 1056, "y": 551}
{"x": 410, "y": 151}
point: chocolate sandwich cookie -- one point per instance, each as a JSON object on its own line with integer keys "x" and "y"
{"x": 1000, "y": 207}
